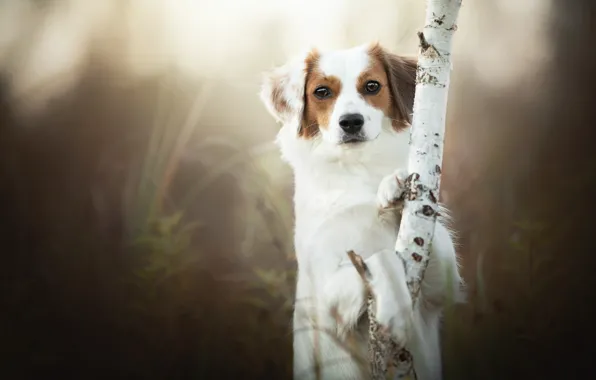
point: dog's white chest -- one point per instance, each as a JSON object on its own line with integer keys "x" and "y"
{"x": 345, "y": 220}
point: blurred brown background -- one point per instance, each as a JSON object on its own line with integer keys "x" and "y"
{"x": 146, "y": 218}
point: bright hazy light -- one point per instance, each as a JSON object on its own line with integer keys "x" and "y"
{"x": 44, "y": 47}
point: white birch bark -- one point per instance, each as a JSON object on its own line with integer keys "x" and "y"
{"x": 426, "y": 139}
{"x": 425, "y": 159}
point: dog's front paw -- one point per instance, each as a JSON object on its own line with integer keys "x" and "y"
{"x": 343, "y": 301}
{"x": 391, "y": 189}
{"x": 395, "y": 320}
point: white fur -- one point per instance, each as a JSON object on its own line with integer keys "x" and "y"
{"x": 339, "y": 193}
{"x": 344, "y": 64}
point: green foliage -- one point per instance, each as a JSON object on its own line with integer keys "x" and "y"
{"x": 166, "y": 252}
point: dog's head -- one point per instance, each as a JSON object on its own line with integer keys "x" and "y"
{"x": 343, "y": 98}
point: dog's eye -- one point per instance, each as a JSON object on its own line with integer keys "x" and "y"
{"x": 372, "y": 86}
{"x": 322, "y": 92}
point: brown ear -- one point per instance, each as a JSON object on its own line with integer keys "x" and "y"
{"x": 402, "y": 75}
{"x": 282, "y": 93}
{"x": 401, "y": 71}
{"x": 282, "y": 89}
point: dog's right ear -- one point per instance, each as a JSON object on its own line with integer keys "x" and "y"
{"x": 282, "y": 91}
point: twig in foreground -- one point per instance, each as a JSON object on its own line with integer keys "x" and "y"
{"x": 380, "y": 345}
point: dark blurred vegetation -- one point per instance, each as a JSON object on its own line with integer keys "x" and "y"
{"x": 122, "y": 256}
{"x": 142, "y": 239}
{"x": 525, "y": 216}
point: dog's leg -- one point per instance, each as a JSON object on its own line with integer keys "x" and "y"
{"x": 418, "y": 328}
{"x": 345, "y": 293}
{"x": 337, "y": 310}
{"x": 320, "y": 350}
{"x": 441, "y": 283}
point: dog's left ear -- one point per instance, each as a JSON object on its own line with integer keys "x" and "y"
{"x": 401, "y": 71}
{"x": 282, "y": 91}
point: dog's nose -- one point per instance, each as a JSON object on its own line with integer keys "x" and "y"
{"x": 351, "y": 123}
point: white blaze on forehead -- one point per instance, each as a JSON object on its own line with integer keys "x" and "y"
{"x": 346, "y": 65}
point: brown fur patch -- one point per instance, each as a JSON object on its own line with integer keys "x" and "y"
{"x": 277, "y": 96}
{"x": 383, "y": 99}
{"x": 396, "y": 98}
{"x": 317, "y": 112}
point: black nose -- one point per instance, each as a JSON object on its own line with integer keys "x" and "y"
{"x": 351, "y": 123}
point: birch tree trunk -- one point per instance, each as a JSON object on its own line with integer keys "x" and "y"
{"x": 425, "y": 159}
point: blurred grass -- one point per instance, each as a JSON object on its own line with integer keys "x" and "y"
{"x": 186, "y": 281}
{"x": 164, "y": 242}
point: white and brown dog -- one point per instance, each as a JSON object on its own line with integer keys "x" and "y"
{"x": 345, "y": 117}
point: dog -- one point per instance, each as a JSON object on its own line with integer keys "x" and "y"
{"x": 345, "y": 118}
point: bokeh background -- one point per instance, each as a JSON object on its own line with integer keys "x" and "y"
{"x": 146, "y": 218}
